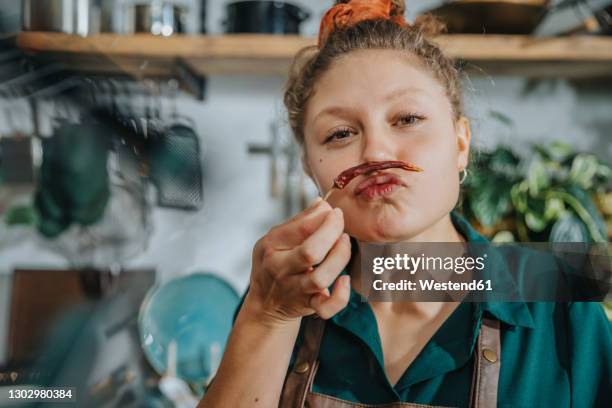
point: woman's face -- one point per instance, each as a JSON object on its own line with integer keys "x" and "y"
{"x": 379, "y": 105}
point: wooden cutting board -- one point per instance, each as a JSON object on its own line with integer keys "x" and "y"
{"x": 40, "y": 297}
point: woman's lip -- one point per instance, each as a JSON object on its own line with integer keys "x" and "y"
{"x": 384, "y": 178}
{"x": 378, "y": 190}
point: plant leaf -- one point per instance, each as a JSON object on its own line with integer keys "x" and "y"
{"x": 560, "y": 151}
{"x": 569, "y": 228}
{"x": 583, "y": 170}
{"x": 504, "y": 163}
{"x": 584, "y": 207}
{"x": 538, "y": 178}
{"x": 535, "y": 221}
{"x": 490, "y": 200}
{"x": 518, "y": 193}
{"x": 604, "y": 172}
{"x": 553, "y": 209}
{"x": 503, "y": 236}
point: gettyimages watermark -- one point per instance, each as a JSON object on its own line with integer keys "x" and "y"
{"x": 485, "y": 271}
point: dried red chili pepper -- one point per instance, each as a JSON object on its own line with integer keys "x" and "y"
{"x": 349, "y": 174}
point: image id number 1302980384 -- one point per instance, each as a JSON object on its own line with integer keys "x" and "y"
{"x": 36, "y": 394}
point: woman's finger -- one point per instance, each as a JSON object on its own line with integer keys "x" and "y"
{"x": 327, "y": 306}
{"x": 324, "y": 274}
{"x": 287, "y": 236}
{"x": 295, "y": 231}
{"x": 310, "y": 252}
{"x": 315, "y": 248}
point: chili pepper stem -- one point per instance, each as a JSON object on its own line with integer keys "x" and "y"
{"x": 326, "y": 196}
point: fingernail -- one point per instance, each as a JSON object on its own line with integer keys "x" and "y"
{"x": 347, "y": 281}
{"x": 338, "y": 211}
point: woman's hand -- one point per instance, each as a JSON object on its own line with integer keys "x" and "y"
{"x": 296, "y": 262}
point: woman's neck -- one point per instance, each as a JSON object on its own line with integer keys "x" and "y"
{"x": 442, "y": 231}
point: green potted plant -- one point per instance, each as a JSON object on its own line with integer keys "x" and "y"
{"x": 553, "y": 194}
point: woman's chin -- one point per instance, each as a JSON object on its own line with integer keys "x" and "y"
{"x": 387, "y": 220}
{"x": 382, "y": 231}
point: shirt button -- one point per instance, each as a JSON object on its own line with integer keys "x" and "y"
{"x": 489, "y": 355}
{"x": 302, "y": 367}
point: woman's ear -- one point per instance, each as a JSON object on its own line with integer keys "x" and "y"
{"x": 463, "y": 133}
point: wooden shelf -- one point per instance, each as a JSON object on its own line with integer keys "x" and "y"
{"x": 146, "y": 55}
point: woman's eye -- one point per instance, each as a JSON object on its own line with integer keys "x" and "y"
{"x": 410, "y": 119}
{"x": 338, "y": 135}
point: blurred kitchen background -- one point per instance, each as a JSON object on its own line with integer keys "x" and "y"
{"x": 144, "y": 149}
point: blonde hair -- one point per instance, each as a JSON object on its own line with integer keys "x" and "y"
{"x": 310, "y": 62}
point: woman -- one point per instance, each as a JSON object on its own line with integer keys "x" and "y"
{"x": 377, "y": 90}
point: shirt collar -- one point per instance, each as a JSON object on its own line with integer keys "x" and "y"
{"x": 515, "y": 313}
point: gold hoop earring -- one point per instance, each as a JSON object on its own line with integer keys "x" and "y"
{"x": 463, "y": 175}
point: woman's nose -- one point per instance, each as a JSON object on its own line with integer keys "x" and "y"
{"x": 377, "y": 146}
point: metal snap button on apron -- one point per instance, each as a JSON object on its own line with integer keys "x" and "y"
{"x": 489, "y": 355}
{"x": 302, "y": 367}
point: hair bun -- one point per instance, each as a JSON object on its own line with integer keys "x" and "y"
{"x": 346, "y": 13}
{"x": 398, "y": 7}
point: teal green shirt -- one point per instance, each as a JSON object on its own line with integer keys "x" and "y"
{"x": 553, "y": 354}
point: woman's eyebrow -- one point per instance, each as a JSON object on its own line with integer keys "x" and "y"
{"x": 402, "y": 92}
{"x": 333, "y": 111}
{"x": 345, "y": 111}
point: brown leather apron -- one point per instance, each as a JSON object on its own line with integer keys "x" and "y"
{"x": 297, "y": 391}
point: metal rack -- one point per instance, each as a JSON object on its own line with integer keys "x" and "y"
{"x": 141, "y": 130}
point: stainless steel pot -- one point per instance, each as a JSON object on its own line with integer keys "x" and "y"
{"x": 274, "y": 17}
{"x": 66, "y": 16}
{"x": 158, "y": 18}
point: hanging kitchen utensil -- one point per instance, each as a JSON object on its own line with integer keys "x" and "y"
{"x": 73, "y": 183}
{"x": 272, "y": 17}
{"x": 17, "y": 162}
{"x": 124, "y": 229}
{"x": 166, "y": 155}
{"x": 120, "y": 234}
{"x": 108, "y": 229}
{"x": 176, "y": 170}
{"x": 175, "y": 166}
{"x": 274, "y": 149}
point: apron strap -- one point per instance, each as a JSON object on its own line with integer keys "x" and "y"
{"x": 485, "y": 377}
{"x": 487, "y": 364}
{"x": 299, "y": 380}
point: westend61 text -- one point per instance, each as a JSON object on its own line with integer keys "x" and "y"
{"x": 431, "y": 284}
